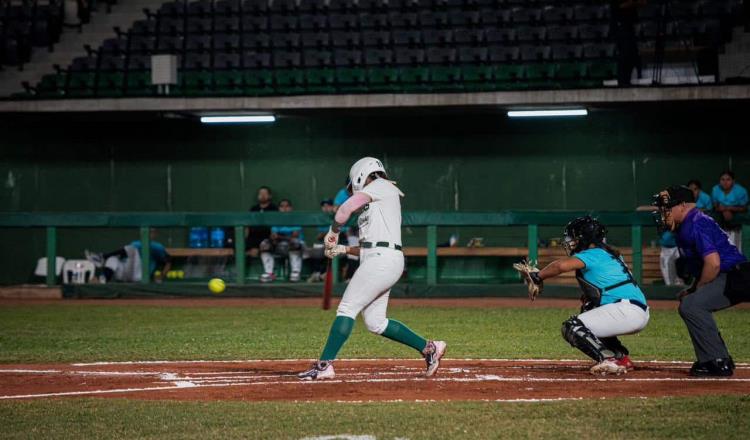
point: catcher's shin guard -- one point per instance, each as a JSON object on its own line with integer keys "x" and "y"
{"x": 580, "y": 337}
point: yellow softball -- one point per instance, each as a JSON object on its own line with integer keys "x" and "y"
{"x": 216, "y": 285}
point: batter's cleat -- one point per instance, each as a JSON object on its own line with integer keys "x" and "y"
{"x": 713, "y": 368}
{"x": 432, "y": 353}
{"x": 608, "y": 366}
{"x": 319, "y": 371}
{"x": 626, "y": 362}
{"x": 267, "y": 278}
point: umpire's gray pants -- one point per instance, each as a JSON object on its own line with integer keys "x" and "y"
{"x": 697, "y": 310}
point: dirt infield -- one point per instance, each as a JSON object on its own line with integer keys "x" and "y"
{"x": 316, "y": 302}
{"x": 359, "y": 380}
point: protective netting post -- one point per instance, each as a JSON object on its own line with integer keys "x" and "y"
{"x": 51, "y": 255}
{"x": 533, "y": 242}
{"x": 637, "y": 245}
{"x": 432, "y": 255}
{"x": 239, "y": 253}
{"x": 145, "y": 255}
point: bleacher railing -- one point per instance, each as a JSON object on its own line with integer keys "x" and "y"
{"x": 239, "y": 220}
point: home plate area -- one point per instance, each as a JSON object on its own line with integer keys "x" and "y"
{"x": 359, "y": 380}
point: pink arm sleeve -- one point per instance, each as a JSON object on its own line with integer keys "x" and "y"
{"x": 352, "y": 204}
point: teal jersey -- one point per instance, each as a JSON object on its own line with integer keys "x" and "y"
{"x": 703, "y": 201}
{"x": 159, "y": 253}
{"x": 287, "y": 231}
{"x": 737, "y": 196}
{"x": 602, "y": 270}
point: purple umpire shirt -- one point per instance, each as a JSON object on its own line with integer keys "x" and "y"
{"x": 699, "y": 235}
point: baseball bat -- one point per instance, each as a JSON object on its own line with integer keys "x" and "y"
{"x": 328, "y": 287}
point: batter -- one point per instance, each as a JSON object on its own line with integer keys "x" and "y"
{"x": 378, "y": 202}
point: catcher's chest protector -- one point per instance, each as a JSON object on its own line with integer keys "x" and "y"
{"x": 594, "y": 293}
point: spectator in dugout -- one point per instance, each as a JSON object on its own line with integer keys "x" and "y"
{"x": 702, "y": 199}
{"x": 124, "y": 264}
{"x": 729, "y": 198}
{"x": 285, "y": 241}
{"x": 317, "y": 256}
{"x": 255, "y": 235}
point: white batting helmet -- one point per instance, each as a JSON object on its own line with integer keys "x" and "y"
{"x": 361, "y": 169}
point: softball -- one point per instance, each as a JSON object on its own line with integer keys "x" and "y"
{"x": 216, "y": 285}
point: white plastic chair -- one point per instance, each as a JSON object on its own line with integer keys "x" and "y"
{"x": 78, "y": 271}
{"x": 41, "y": 266}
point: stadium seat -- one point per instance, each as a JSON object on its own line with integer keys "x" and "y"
{"x": 383, "y": 80}
{"x": 351, "y": 80}
{"x": 406, "y": 37}
{"x": 406, "y": 56}
{"x": 415, "y": 79}
{"x": 290, "y": 81}
{"x": 320, "y": 80}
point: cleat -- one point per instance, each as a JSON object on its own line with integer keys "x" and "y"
{"x": 626, "y": 362}
{"x": 320, "y": 370}
{"x": 294, "y": 277}
{"x": 714, "y": 368}
{"x": 432, "y": 353}
{"x": 267, "y": 278}
{"x": 608, "y": 366}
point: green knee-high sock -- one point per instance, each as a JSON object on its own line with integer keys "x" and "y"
{"x": 399, "y": 332}
{"x": 340, "y": 331}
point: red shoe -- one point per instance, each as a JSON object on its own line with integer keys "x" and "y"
{"x": 626, "y": 362}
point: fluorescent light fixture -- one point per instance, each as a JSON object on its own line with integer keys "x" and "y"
{"x": 239, "y": 119}
{"x": 547, "y": 113}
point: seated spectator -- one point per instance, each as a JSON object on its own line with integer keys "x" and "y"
{"x": 668, "y": 259}
{"x": 256, "y": 234}
{"x": 702, "y": 199}
{"x": 285, "y": 241}
{"x": 317, "y": 256}
{"x": 729, "y": 198}
{"x": 124, "y": 264}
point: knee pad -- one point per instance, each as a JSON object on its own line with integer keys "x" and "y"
{"x": 579, "y": 336}
{"x": 376, "y": 326}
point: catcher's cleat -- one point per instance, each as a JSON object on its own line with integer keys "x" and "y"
{"x": 626, "y": 362}
{"x": 319, "y": 371}
{"x": 432, "y": 353}
{"x": 608, "y": 366}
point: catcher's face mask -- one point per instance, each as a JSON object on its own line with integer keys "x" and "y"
{"x": 569, "y": 244}
{"x": 663, "y": 215}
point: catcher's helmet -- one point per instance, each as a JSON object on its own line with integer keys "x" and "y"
{"x": 665, "y": 200}
{"x": 581, "y": 233}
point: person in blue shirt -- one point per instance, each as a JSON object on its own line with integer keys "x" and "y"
{"x": 341, "y": 196}
{"x": 729, "y": 198}
{"x": 702, "y": 199}
{"x": 613, "y": 303}
{"x": 720, "y": 271}
{"x": 286, "y": 241}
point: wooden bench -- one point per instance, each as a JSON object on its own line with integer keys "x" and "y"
{"x": 651, "y": 271}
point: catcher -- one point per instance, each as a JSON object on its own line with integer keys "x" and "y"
{"x": 613, "y": 304}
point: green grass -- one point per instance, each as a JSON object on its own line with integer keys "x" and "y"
{"x": 71, "y": 333}
{"x": 716, "y": 417}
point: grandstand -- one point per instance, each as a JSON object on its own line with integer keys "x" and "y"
{"x": 312, "y": 47}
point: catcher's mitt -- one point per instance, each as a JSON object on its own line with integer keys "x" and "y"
{"x": 530, "y": 275}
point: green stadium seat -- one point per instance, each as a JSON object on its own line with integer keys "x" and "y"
{"x": 138, "y": 84}
{"x": 351, "y": 80}
{"x": 51, "y": 86}
{"x": 196, "y": 83}
{"x": 258, "y": 82}
{"x": 320, "y": 80}
{"x": 476, "y": 78}
{"x": 445, "y": 78}
{"x": 290, "y": 82}
{"x": 602, "y": 70}
{"x": 81, "y": 84}
{"x": 572, "y": 71}
{"x": 228, "y": 83}
{"x": 110, "y": 84}
{"x": 382, "y": 79}
{"x": 415, "y": 79}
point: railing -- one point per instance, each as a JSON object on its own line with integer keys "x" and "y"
{"x": 239, "y": 220}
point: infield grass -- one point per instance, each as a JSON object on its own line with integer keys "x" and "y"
{"x": 79, "y": 333}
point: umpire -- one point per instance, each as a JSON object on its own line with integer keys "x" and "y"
{"x": 720, "y": 271}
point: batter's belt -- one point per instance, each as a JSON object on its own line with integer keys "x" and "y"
{"x": 385, "y": 244}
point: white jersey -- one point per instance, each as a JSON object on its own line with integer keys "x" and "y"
{"x": 380, "y": 219}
